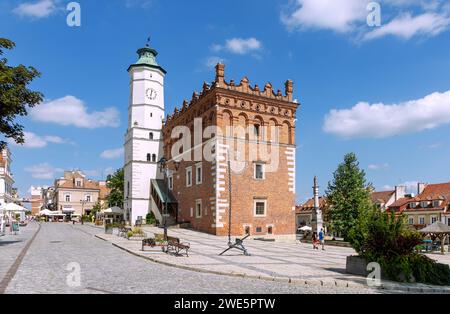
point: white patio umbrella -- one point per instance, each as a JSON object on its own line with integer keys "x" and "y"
{"x": 305, "y": 228}
{"x": 45, "y": 212}
{"x": 114, "y": 210}
{"x": 13, "y": 207}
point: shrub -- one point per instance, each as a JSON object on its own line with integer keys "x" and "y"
{"x": 386, "y": 239}
{"x": 138, "y": 231}
{"x": 130, "y": 234}
{"x": 150, "y": 218}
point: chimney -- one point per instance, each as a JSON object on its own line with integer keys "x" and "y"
{"x": 400, "y": 192}
{"x": 421, "y": 187}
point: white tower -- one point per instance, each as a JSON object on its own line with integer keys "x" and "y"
{"x": 143, "y": 140}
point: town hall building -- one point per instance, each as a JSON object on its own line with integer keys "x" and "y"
{"x": 231, "y": 154}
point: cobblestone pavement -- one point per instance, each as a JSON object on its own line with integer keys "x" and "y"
{"x": 107, "y": 269}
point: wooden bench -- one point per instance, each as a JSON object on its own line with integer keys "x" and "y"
{"x": 174, "y": 245}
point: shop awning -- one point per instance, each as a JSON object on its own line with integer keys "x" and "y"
{"x": 161, "y": 188}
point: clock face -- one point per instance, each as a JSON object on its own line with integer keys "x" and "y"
{"x": 151, "y": 94}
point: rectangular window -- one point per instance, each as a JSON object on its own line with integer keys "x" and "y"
{"x": 67, "y": 197}
{"x": 421, "y": 220}
{"x": 411, "y": 220}
{"x": 259, "y": 171}
{"x": 258, "y": 229}
{"x": 198, "y": 174}
{"x": 78, "y": 183}
{"x": 171, "y": 182}
{"x": 189, "y": 176}
{"x": 260, "y": 208}
{"x": 433, "y": 219}
{"x": 198, "y": 208}
{"x": 88, "y": 198}
{"x": 436, "y": 204}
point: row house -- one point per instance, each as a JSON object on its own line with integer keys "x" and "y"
{"x": 6, "y": 177}
{"x": 74, "y": 194}
{"x": 431, "y": 204}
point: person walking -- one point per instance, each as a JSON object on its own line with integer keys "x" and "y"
{"x": 322, "y": 239}
{"x": 314, "y": 241}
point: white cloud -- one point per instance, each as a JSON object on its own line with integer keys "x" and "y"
{"x": 407, "y": 26}
{"x": 376, "y": 167}
{"x": 92, "y": 173}
{"x": 39, "y": 9}
{"x": 33, "y": 140}
{"x": 411, "y": 186}
{"x": 43, "y": 171}
{"x": 239, "y": 46}
{"x": 70, "y": 110}
{"x": 340, "y": 16}
{"x": 379, "y": 120}
{"x": 112, "y": 153}
{"x": 211, "y": 62}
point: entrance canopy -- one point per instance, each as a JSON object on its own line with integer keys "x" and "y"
{"x": 45, "y": 212}
{"x": 160, "y": 188}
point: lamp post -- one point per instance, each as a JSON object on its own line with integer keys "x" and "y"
{"x": 163, "y": 164}
{"x": 163, "y": 169}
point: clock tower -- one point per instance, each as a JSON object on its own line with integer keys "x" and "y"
{"x": 143, "y": 140}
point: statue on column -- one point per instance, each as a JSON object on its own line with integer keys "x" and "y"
{"x": 317, "y": 220}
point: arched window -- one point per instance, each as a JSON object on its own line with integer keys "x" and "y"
{"x": 151, "y": 135}
{"x": 149, "y": 157}
{"x": 153, "y": 158}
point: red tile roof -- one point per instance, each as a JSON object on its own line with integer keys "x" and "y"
{"x": 383, "y": 196}
{"x": 309, "y": 205}
{"x": 435, "y": 192}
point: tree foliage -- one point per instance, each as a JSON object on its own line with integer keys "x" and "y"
{"x": 349, "y": 198}
{"x": 15, "y": 97}
{"x": 116, "y": 183}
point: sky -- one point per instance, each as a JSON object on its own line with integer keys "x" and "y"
{"x": 380, "y": 90}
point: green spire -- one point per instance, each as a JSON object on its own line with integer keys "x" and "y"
{"x": 147, "y": 57}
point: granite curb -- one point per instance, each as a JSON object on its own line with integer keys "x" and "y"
{"x": 385, "y": 285}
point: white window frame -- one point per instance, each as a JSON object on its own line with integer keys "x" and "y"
{"x": 421, "y": 220}
{"x": 90, "y": 198}
{"x": 431, "y": 219}
{"x": 263, "y": 170}
{"x": 256, "y": 201}
{"x": 197, "y": 167}
{"x": 65, "y": 198}
{"x": 78, "y": 183}
{"x": 198, "y": 202}
{"x": 188, "y": 176}
{"x": 424, "y": 204}
{"x": 409, "y": 220}
{"x": 436, "y": 203}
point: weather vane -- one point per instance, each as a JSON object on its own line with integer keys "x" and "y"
{"x": 148, "y": 41}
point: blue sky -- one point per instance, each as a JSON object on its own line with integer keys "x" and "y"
{"x": 381, "y": 92}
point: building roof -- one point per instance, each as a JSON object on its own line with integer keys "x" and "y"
{"x": 382, "y": 196}
{"x": 309, "y": 205}
{"x": 69, "y": 181}
{"x": 104, "y": 191}
{"x": 431, "y": 192}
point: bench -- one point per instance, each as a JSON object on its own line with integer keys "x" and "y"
{"x": 158, "y": 240}
{"x": 174, "y": 245}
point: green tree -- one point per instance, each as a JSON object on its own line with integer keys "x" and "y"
{"x": 349, "y": 199}
{"x": 15, "y": 97}
{"x": 116, "y": 183}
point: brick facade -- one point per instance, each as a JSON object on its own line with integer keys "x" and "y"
{"x": 267, "y": 121}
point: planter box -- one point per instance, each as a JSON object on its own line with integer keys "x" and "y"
{"x": 108, "y": 230}
{"x": 357, "y": 265}
{"x": 136, "y": 238}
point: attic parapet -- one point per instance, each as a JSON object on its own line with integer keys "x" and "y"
{"x": 245, "y": 87}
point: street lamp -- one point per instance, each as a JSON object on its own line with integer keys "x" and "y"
{"x": 162, "y": 163}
